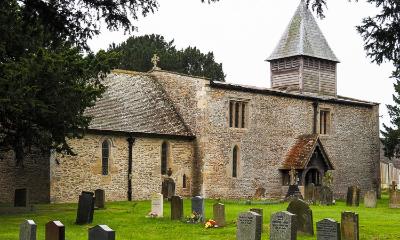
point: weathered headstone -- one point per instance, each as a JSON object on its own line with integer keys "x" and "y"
{"x": 261, "y": 212}
{"x": 349, "y": 226}
{"x": 55, "y": 230}
{"x": 283, "y": 226}
{"x": 168, "y": 188}
{"x": 198, "y": 207}
{"x": 328, "y": 229}
{"x": 326, "y": 196}
{"x": 99, "y": 198}
{"x": 21, "y": 197}
{"x": 293, "y": 193}
{"x": 394, "y": 196}
{"x": 309, "y": 193}
{"x": 260, "y": 193}
{"x": 27, "y": 230}
{"x": 157, "y": 204}
{"x": 85, "y": 208}
{"x": 370, "y": 199}
{"x": 176, "y": 208}
{"x": 101, "y": 232}
{"x": 219, "y": 214}
{"x": 353, "y": 196}
{"x": 304, "y": 216}
{"x": 248, "y": 226}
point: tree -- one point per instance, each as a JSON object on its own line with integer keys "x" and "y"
{"x": 136, "y": 53}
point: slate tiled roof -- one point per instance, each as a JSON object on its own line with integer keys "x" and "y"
{"x": 303, "y": 37}
{"x": 135, "y": 102}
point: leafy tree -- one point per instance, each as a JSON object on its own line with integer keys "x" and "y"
{"x": 136, "y": 53}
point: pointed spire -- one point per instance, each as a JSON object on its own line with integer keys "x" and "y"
{"x": 303, "y": 37}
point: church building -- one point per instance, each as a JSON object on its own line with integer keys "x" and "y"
{"x": 218, "y": 139}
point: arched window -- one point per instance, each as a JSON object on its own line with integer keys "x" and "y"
{"x": 164, "y": 158}
{"x": 184, "y": 181}
{"x": 235, "y": 161}
{"x": 105, "y": 155}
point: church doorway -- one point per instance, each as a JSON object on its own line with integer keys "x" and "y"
{"x": 313, "y": 176}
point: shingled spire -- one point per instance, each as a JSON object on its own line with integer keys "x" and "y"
{"x": 303, "y": 60}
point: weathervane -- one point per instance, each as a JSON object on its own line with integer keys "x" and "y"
{"x": 155, "y": 59}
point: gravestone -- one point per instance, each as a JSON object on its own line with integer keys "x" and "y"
{"x": 394, "y": 196}
{"x": 198, "y": 207}
{"x": 326, "y": 196}
{"x": 176, "y": 208}
{"x": 353, "y": 196}
{"x": 304, "y": 217}
{"x": 219, "y": 214}
{"x": 349, "y": 226}
{"x": 261, "y": 212}
{"x": 99, "y": 198}
{"x": 283, "y": 226}
{"x": 157, "y": 204}
{"x": 55, "y": 230}
{"x": 21, "y": 197}
{"x": 370, "y": 199}
{"x": 328, "y": 229}
{"x": 85, "y": 208}
{"x": 27, "y": 230}
{"x": 168, "y": 188}
{"x": 260, "y": 193}
{"x": 248, "y": 226}
{"x": 101, "y": 232}
{"x": 309, "y": 193}
{"x": 293, "y": 193}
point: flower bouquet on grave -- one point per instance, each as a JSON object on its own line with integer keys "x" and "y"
{"x": 194, "y": 218}
{"x": 152, "y": 215}
{"x": 211, "y": 224}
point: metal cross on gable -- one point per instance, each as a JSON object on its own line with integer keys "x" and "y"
{"x": 155, "y": 59}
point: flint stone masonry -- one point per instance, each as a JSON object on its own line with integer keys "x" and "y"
{"x": 283, "y": 226}
{"x": 248, "y": 226}
{"x": 328, "y": 229}
{"x": 27, "y": 230}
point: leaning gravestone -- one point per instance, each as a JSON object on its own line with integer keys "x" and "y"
{"x": 101, "y": 232}
{"x": 370, "y": 199}
{"x": 283, "y": 226}
{"x": 99, "y": 198}
{"x": 304, "y": 216}
{"x": 328, "y": 229}
{"x": 353, "y": 196}
{"x": 326, "y": 196}
{"x": 219, "y": 214}
{"x": 157, "y": 204}
{"x": 21, "y": 197}
{"x": 198, "y": 207}
{"x": 27, "y": 230}
{"x": 176, "y": 208}
{"x": 55, "y": 230}
{"x": 261, "y": 212}
{"x": 309, "y": 193}
{"x": 248, "y": 226}
{"x": 349, "y": 226}
{"x": 85, "y": 208}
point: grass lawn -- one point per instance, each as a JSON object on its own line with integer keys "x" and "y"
{"x": 129, "y": 221}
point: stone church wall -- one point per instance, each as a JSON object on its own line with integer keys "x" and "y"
{"x": 72, "y": 174}
{"x": 34, "y": 176}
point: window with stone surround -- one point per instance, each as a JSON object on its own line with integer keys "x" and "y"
{"x": 235, "y": 156}
{"x": 105, "y": 156}
{"x": 238, "y": 114}
{"x": 324, "y": 121}
{"x": 164, "y": 158}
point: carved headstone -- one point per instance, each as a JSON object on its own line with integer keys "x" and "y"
{"x": 349, "y": 226}
{"x": 85, "y": 208}
{"x": 248, "y": 226}
{"x": 283, "y": 226}
{"x": 309, "y": 193}
{"x": 353, "y": 196}
{"x": 21, "y": 197}
{"x": 370, "y": 199}
{"x": 261, "y": 212}
{"x": 101, "y": 232}
{"x": 27, "y": 230}
{"x": 260, "y": 193}
{"x": 219, "y": 214}
{"x": 55, "y": 230}
{"x": 198, "y": 207}
{"x": 328, "y": 229}
{"x": 157, "y": 204}
{"x": 99, "y": 198}
{"x": 304, "y": 216}
{"x": 326, "y": 196}
{"x": 176, "y": 208}
{"x": 168, "y": 188}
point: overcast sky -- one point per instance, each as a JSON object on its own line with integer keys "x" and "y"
{"x": 242, "y": 34}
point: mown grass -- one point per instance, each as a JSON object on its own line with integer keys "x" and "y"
{"x": 129, "y": 221}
